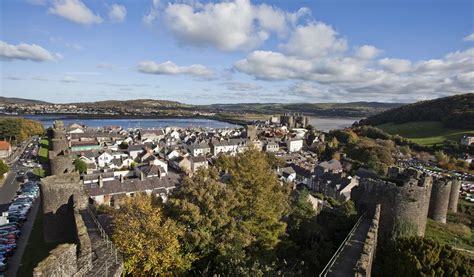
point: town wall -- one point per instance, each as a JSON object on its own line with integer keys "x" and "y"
{"x": 61, "y": 164}
{"x": 404, "y": 203}
{"x": 364, "y": 263}
{"x": 84, "y": 245}
{"x": 61, "y": 262}
{"x": 439, "y": 201}
{"x": 454, "y": 195}
{"x": 61, "y": 194}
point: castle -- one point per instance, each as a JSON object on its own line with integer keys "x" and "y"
{"x": 294, "y": 120}
{"x": 82, "y": 249}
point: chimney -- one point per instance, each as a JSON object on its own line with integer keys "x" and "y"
{"x": 121, "y": 178}
{"x": 142, "y": 176}
{"x": 101, "y": 182}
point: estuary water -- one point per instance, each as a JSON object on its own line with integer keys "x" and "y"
{"x": 320, "y": 123}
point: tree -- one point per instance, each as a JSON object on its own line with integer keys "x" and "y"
{"x": 3, "y": 168}
{"x": 80, "y": 165}
{"x": 204, "y": 206}
{"x": 149, "y": 242}
{"x": 441, "y": 157}
{"x": 232, "y": 227}
{"x": 417, "y": 256}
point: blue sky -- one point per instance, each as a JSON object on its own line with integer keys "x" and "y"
{"x": 202, "y": 52}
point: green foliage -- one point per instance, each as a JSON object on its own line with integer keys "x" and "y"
{"x": 312, "y": 238}
{"x": 3, "y": 168}
{"x": 16, "y": 130}
{"x": 417, "y": 256}
{"x": 373, "y": 133}
{"x": 454, "y": 111}
{"x": 427, "y": 133}
{"x": 232, "y": 228}
{"x": 39, "y": 172}
{"x": 375, "y": 154}
{"x": 344, "y": 135}
{"x": 149, "y": 242}
{"x": 80, "y": 165}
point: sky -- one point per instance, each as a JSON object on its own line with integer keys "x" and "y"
{"x": 203, "y": 52}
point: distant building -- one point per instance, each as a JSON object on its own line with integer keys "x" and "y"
{"x": 199, "y": 149}
{"x": 5, "y": 149}
{"x": 467, "y": 140}
{"x": 251, "y": 132}
{"x": 294, "y": 120}
{"x": 272, "y": 147}
{"x": 294, "y": 145}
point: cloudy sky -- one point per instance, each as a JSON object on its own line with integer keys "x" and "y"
{"x": 201, "y": 52}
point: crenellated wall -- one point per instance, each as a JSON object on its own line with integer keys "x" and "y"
{"x": 61, "y": 262}
{"x": 439, "y": 201}
{"x": 364, "y": 263}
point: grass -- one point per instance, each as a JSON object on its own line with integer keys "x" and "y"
{"x": 39, "y": 172}
{"x": 457, "y": 232}
{"x": 425, "y": 132}
{"x": 37, "y": 249}
{"x": 43, "y": 152}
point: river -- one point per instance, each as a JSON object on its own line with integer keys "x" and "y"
{"x": 320, "y": 123}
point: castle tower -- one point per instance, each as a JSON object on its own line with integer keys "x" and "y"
{"x": 440, "y": 199}
{"x": 59, "y": 141}
{"x": 454, "y": 195}
{"x": 404, "y": 203}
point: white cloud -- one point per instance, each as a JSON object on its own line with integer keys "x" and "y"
{"x": 105, "y": 65}
{"x": 315, "y": 39}
{"x": 469, "y": 37}
{"x": 117, "y": 13}
{"x": 242, "y": 86}
{"x": 153, "y": 13}
{"x": 395, "y": 65}
{"x": 170, "y": 68}
{"x": 367, "y": 52}
{"x": 227, "y": 26}
{"x": 75, "y": 11}
{"x": 25, "y": 51}
{"x": 351, "y": 78}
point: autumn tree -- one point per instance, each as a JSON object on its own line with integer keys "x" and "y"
{"x": 148, "y": 241}
{"x": 80, "y": 165}
{"x": 3, "y": 168}
{"x": 417, "y": 256}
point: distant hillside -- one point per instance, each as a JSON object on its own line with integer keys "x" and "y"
{"x": 14, "y": 100}
{"x": 352, "y": 109}
{"x": 455, "y": 112}
{"x": 134, "y": 104}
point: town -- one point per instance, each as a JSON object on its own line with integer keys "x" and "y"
{"x": 103, "y": 167}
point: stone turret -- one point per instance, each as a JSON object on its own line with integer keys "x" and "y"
{"x": 404, "y": 202}
{"x": 454, "y": 195}
{"x": 440, "y": 199}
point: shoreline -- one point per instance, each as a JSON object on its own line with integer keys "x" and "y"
{"x": 62, "y": 116}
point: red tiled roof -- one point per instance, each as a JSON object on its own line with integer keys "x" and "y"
{"x": 4, "y": 145}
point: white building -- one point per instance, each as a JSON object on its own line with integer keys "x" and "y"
{"x": 294, "y": 145}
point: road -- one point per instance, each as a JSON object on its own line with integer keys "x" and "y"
{"x": 15, "y": 261}
{"x": 7, "y": 192}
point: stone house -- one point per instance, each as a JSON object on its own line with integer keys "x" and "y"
{"x": 5, "y": 149}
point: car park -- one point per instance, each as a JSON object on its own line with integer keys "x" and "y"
{"x": 18, "y": 210}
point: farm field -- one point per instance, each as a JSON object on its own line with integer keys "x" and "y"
{"x": 425, "y": 132}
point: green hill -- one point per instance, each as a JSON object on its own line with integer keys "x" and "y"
{"x": 429, "y": 122}
{"x": 455, "y": 112}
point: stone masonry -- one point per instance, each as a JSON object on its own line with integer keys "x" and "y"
{"x": 364, "y": 264}
{"x": 61, "y": 262}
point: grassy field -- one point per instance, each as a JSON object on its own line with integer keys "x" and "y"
{"x": 454, "y": 234}
{"x": 43, "y": 152}
{"x": 425, "y": 132}
{"x": 36, "y": 249}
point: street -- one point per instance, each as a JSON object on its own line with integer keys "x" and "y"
{"x": 7, "y": 191}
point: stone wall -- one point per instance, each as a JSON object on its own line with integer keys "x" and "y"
{"x": 404, "y": 203}
{"x": 61, "y": 164}
{"x": 84, "y": 246}
{"x": 61, "y": 262}
{"x": 364, "y": 264}
{"x": 61, "y": 194}
{"x": 454, "y": 195}
{"x": 439, "y": 201}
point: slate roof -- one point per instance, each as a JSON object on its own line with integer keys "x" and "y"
{"x": 130, "y": 185}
